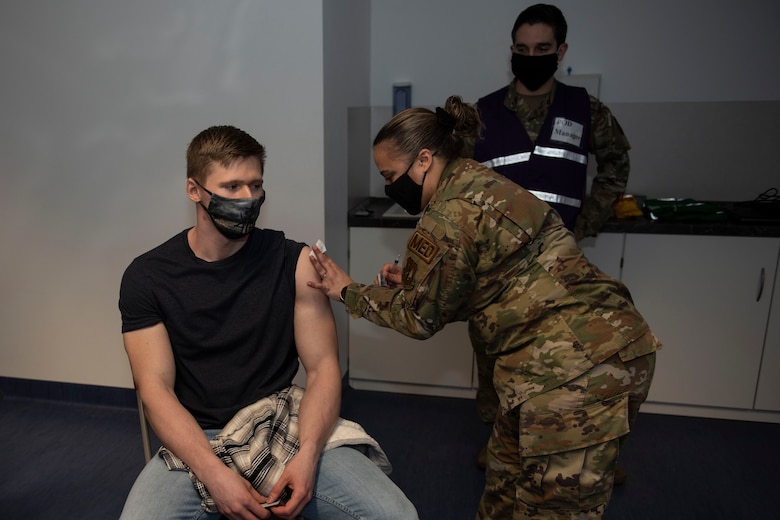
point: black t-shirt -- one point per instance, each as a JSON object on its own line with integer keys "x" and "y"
{"x": 230, "y": 322}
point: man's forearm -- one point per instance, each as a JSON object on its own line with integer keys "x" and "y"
{"x": 319, "y": 409}
{"x": 179, "y": 432}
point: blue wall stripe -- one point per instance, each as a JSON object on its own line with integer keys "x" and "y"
{"x": 70, "y": 392}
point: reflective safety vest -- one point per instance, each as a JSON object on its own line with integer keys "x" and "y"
{"x": 555, "y": 167}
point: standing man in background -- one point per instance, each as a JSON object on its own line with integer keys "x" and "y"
{"x": 539, "y": 132}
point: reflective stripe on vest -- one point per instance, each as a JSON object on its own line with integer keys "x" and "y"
{"x": 554, "y": 197}
{"x": 561, "y": 154}
{"x": 543, "y": 151}
{"x": 509, "y": 159}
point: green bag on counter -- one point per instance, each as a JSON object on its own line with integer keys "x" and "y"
{"x": 683, "y": 209}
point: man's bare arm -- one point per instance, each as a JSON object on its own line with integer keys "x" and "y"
{"x": 154, "y": 373}
{"x": 315, "y": 337}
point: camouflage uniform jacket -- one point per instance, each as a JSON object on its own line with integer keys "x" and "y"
{"x": 488, "y": 252}
{"x": 608, "y": 144}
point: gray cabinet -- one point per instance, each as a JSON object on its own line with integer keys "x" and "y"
{"x": 713, "y": 301}
{"x": 707, "y": 298}
{"x": 768, "y": 391}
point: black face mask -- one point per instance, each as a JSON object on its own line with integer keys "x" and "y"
{"x": 234, "y": 218}
{"x": 534, "y": 71}
{"x": 406, "y": 192}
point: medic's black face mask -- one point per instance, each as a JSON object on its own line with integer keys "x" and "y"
{"x": 406, "y": 192}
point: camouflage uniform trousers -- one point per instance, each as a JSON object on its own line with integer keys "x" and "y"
{"x": 554, "y": 456}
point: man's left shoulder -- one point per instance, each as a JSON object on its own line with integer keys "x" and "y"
{"x": 273, "y": 236}
{"x": 273, "y": 239}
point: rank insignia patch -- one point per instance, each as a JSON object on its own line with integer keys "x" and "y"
{"x": 410, "y": 270}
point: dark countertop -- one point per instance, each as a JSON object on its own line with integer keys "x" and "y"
{"x": 369, "y": 214}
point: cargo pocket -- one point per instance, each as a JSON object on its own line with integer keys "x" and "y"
{"x": 568, "y": 456}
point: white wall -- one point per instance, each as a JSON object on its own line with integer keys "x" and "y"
{"x": 99, "y": 101}
{"x": 346, "y": 52}
{"x": 660, "y": 51}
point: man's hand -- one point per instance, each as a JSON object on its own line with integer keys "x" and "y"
{"x": 298, "y": 476}
{"x": 235, "y": 497}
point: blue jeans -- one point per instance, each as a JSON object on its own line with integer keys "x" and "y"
{"x": 347, "y": 486}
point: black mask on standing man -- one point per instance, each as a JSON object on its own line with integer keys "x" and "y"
{"x": 534, "y": 71}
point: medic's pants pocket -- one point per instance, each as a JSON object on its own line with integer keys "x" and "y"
{"x": 544, "y": 431}
{"x": 568, "y": 456}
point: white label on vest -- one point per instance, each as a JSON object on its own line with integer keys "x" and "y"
{"x": 566, "y": 131}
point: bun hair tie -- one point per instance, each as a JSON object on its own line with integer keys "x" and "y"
{"x": 446, "y": 120}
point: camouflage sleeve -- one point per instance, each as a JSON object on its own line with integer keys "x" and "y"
{"x": 610, "y": 146}
{"x": 437, "y": 282}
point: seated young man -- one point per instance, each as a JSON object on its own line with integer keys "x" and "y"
{"x": 214, "y": 320}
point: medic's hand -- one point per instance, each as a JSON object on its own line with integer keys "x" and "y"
{"x": 332, "y": 278}
{"x": 393, "y": 275}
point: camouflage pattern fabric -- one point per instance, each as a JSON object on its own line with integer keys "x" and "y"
{"x": 608, "y": 144}
{"x": 486, "y": 398}
{"x": 488, "y": 252}
{"x": 558, "y": 450}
